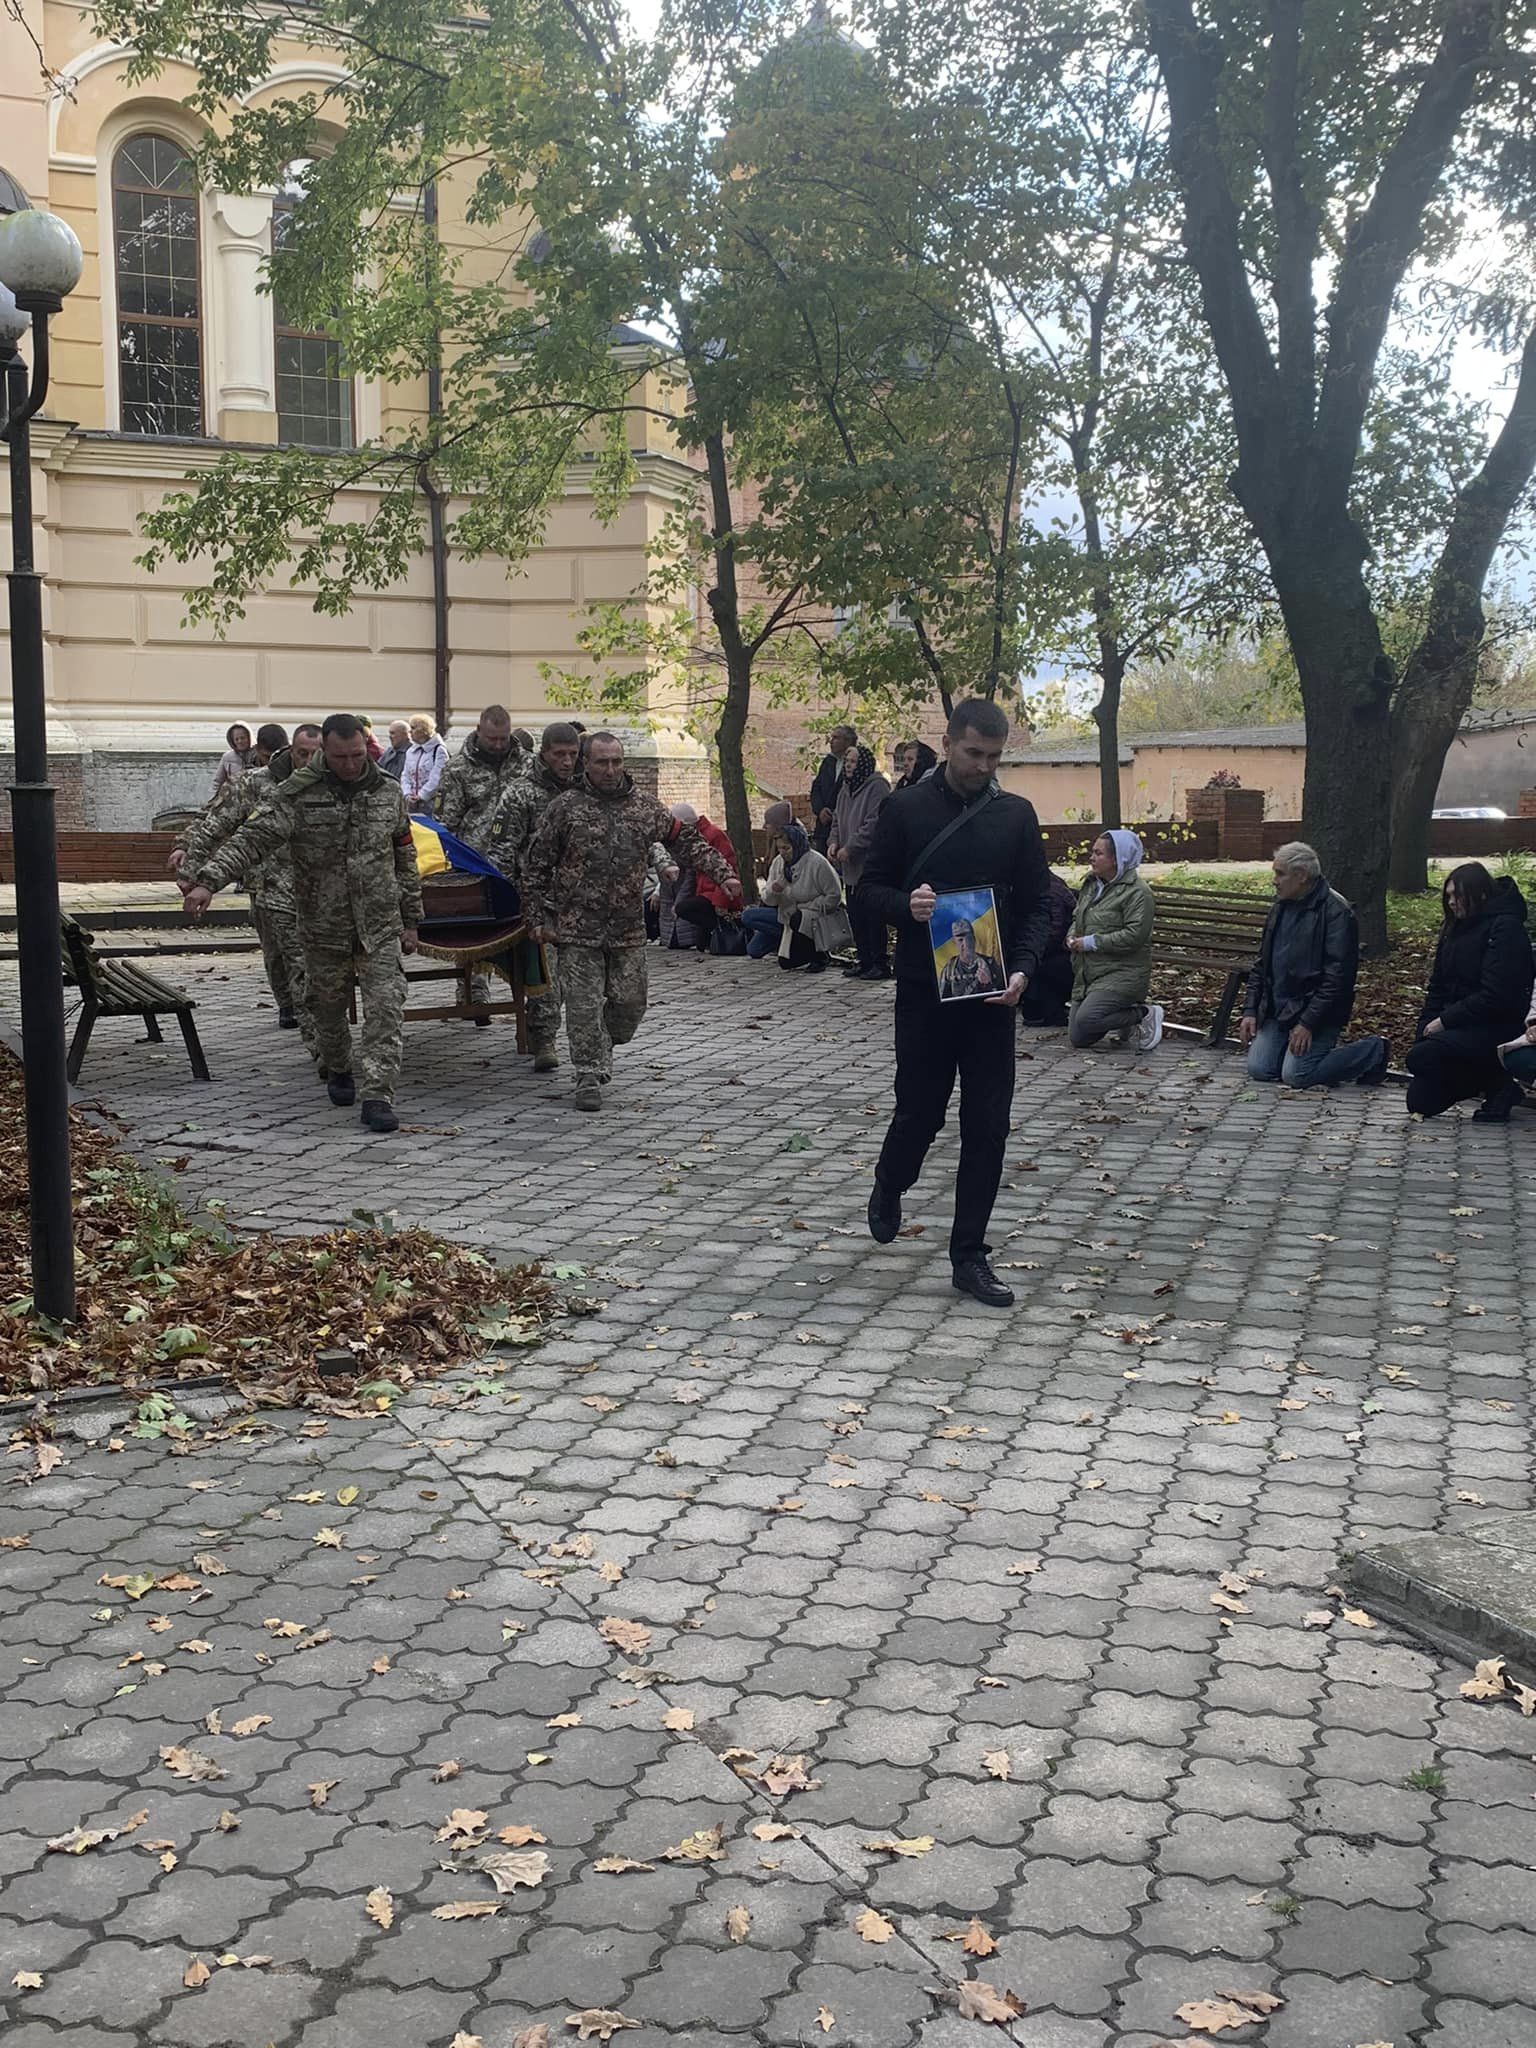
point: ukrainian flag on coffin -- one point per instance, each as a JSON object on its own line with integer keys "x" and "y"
{"x": 438, "y": 850}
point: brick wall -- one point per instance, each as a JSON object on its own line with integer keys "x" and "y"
{"x": 67, "y": 773}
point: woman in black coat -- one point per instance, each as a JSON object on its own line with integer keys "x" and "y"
{"x": 1479, "y": 992}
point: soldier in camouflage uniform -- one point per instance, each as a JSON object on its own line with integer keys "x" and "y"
{"x": 474, "y": 780}
{"x": 466, "y": 798}
{"x": 585, "y": 877}
{"x": 358, "y": 894}
{"x": 269, "y": 883}
{"x": 521, "y": 806}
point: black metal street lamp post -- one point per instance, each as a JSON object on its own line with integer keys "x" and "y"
{"x": 40, "y": 263}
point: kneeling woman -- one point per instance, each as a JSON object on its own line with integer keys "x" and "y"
{"x": 1479, "y": 989}
{"x": 1111, "y": 947}
{"x": 801, "y": 914}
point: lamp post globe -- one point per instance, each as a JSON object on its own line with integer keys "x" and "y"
{"x": 40, "y": 258}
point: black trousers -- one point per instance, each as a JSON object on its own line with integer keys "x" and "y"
{"x": 869, "y": 929}
{"x": 1049, "y": 989}
{"x": 1449, "y": 1067}
{"x": 936, "y": 1043}
{"x": 702, "y": 915}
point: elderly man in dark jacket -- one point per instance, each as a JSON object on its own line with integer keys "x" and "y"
{"x": 828, "y": 781}
{"x": 1302, "y": 990}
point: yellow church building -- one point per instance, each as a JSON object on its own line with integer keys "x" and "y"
{"x": 166, "y": 356}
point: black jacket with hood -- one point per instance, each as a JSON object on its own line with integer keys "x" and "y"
{"x": 1480, "y": 985}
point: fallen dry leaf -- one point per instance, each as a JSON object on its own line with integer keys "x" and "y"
{"x": 445, "y": 1771}
{"x": 464, "y": 1828}
{"x": 463, "y": 2040}
{"x": 190, "y": 1764}
{"x": 597, "y": 2023}
{"x": 532, "y": 2037}
{"x": 679, "y": 1719}
{"x": 250, "y": 1724}
{"x": 703, "y": 1847}
{"x": 1470, "y": 1499}
{"x": 609, "y": 1572}
{"x": 826, "y": 2019}
{"x": 1356, "y": 1617}
{"x": 328, "y": 1539}
{"x": 974, "y": 1939}
{"x": 519, "y": 1835}
{"x": 320, "y": 1791}
{"x": 79, "y": 1839}
{"x": 981, "y": 2001}
{"x": 783, "y": 1774}
{"x": 564, "y": 1721}
{"x": 1486, "y": 1682}
{"x": 1215, "y": 2015}
{"x": 1022, "y": 1567}
{"x": 1229, "y": 1605}
{"x": 738, "y": 1923}
{"x": 775, "y": 1831}
{"x": 873, "y": 1926}
{"x": 616, "y": 1866}
{"x": 380, "y": 1907}
{"x": 507, "y": 1869}
{"x": 997, "y": 1764}
{"x": 632, "y": 1637}
{"x": 1318, "y": 1617}
{"x": 196, "y": 1974}
{"x": 1264, "y": 2002}
{"x": 466, "y": 1909}
{"x": 899, "y": 1845}
{"x": 26, "y": 1980}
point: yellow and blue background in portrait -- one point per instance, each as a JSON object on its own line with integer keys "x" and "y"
{"x": 978, "y": 908}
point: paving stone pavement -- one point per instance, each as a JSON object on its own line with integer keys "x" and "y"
{"x": 864, "y": 1521}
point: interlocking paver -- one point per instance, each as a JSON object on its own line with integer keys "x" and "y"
{"x": 1196, "y": 1800}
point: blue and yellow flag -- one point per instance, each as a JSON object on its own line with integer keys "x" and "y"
{"x": 438, "y": 850}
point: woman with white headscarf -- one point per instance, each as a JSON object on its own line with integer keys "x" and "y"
{"x": 1111, "y": 948}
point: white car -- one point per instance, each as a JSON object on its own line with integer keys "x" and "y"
{"x": 1473, "y": 811}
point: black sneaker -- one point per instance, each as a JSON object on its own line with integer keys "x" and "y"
{"x": 1374, "y": 1075}
{"x": 884, "y": 1212}
{"x": 977, "y": 1279}
{"x": 342, "y": 1090}
{"x": 286, "y": 1021}
{"x": 379, "y": 1115}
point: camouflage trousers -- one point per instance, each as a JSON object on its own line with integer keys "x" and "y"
{"x": 282, "y": 954}
{"x": 544, "y": 1010}
{"x": 602, "y": 989}
{"x": 381, "y": 986}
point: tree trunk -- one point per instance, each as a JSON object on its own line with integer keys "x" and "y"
{"x": 1346, "y": 693}
{"x": 1432, "y": 701}
{"x": 729, "y": 736}
{"x": 1437, "y": 684}
{"x": 1106, "y": 716}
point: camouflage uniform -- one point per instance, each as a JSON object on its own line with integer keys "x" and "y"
{"x": 519, "y": 808}
{"x": 470, "y": 790}
{"x": 356, "y": 887}
{"x": 584, "y": 877}
{"x": 268, "y": 883}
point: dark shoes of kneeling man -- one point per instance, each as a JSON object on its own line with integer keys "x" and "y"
{"x": 974, "y": 1277}
{"x": 378, "y": 1115}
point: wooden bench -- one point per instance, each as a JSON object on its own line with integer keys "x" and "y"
{"x": 1210, "y": 928}
{"x": 113, "y": 988}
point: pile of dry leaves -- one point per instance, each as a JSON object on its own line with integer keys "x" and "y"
{"x": 168, "y": 1297}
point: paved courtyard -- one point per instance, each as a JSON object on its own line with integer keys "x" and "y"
{"x": 960, "y": 1564}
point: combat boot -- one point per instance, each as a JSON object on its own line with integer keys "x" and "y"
{"x": 589, "y": 1094}
{"x": 379, "y": 1115}
{"x": 342, "y": 1090}
{"x": 545, "y": 1059}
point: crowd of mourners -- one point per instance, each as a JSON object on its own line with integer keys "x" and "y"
{"x": 1475, "y": 1038}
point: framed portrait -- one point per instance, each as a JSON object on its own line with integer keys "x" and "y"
{"x": 967, "y": 946}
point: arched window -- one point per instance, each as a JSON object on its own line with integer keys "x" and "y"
{"x": 159, "y": 288}
{"x": 314, "y": 395}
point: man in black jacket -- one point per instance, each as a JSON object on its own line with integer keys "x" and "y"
{"x": 956, "y": 830}
{"x": 1302, "y": 990}
{"x": 824, "y": 788}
